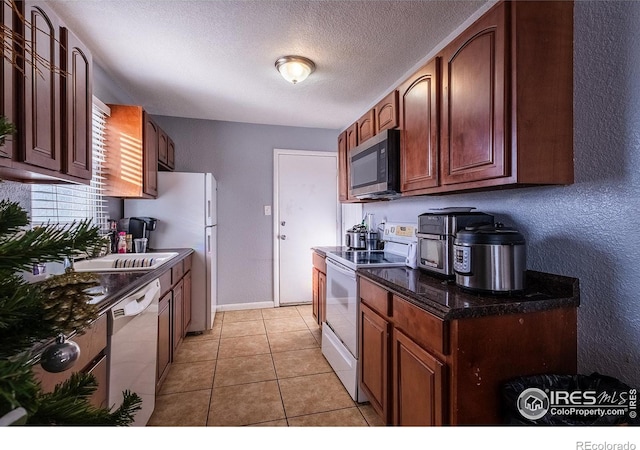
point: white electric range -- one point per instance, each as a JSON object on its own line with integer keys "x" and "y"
{"x": 340, "y": 330}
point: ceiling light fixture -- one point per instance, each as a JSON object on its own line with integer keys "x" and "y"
{"x": 295, "y": 69}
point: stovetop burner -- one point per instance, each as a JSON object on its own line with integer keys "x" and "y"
{"x": 375, "y": 258}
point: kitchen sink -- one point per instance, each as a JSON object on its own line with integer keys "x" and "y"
{"x": 125, "y": 262}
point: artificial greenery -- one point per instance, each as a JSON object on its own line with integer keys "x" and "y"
{"x": 6, "y": 129}
{"x": 31, "y": 313}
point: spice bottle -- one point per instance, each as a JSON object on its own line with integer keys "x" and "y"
{"x": 129, "y": 243}
{"x": 122, "y": 242}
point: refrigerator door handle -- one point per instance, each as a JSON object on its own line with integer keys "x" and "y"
{"x": 208, "y": 243}
{"x": 209, "y": 209}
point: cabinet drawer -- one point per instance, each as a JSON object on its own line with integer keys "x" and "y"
{"x": 91, "y": 343}
{"x": 187, "y": 263}
{"x": 375, "y": 297}
{"x": 177, "y": 272}
{"x": 425, "y": 329}
{"x": 319, "y": 263}
{"x": 165, "y": 282}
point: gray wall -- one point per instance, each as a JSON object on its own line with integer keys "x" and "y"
{"x": 588, "y": 230}
{"x": 240, "y": 156}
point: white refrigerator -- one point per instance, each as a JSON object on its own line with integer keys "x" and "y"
{"x": 186, "y": 213}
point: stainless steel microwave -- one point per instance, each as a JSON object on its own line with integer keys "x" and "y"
{"x": 375, "y": 167}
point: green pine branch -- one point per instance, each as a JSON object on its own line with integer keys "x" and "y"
{"x": 31, "y": 313}
{"x": 69, "y": 404}
{"x": 47, "y": 243}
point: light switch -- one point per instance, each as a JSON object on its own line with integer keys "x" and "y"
{"x": 267, "y": 210}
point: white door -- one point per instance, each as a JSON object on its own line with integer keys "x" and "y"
{"x": 305, "y": 216}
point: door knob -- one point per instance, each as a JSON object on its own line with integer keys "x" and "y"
{"x": 283, "y": 237}
{"x": 282, "y": 223}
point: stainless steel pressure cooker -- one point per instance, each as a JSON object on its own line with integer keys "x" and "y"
{"x": 490, "y": 258}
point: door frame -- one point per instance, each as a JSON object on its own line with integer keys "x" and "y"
{"x": 276, "y": 212}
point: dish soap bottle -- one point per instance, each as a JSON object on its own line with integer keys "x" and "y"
{"x": 122, "y": 242}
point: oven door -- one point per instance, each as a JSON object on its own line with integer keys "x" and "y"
{"x": 342, "y": 304}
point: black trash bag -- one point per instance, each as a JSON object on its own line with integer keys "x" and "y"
{"x": 547, "y": 400}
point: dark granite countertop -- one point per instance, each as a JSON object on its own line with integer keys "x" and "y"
{"x": 445, "y": 300}
{"x": 322, "y": 251}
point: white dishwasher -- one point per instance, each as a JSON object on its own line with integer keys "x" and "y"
{"x": 133, "y": 347}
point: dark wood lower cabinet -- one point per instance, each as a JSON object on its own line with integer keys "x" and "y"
{"x": 164, "y": 338}
{"x": 420, "y": 370}
{"x": 174, "y": 314}
{"x": 319, "y": 287}
{"x": 178, "y": 308}
{"x": 374, "y": 369}
{"x": 186, "y": 309}
{"x": 418, "y": 384}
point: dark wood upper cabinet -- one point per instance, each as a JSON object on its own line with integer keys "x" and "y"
{"x": 343, "y": 176}
{"x": 366, "y": 126}
{"x": 352, "y": 137}
{"x": 166, "y": 152}
{"x": 386, "y": 112}
{"x": 508, "y": 98}
{"x": 494, "y": 109}
{"x": 171, "y": 156}
{"x": 419, "y": 128}
{"x": 474, "y": 102}
{"x": 163, "y": 148}
{"x": 131, "y": 161}
{"x": 40, "y": 121}
{"x": 77, "y": 101}
{"x": 151, "y": 141}
{"x": 48, "y": 95}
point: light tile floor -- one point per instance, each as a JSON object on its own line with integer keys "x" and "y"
{"x": 260, "y": 367}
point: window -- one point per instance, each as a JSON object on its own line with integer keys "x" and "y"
{"x": 68, "y": 203}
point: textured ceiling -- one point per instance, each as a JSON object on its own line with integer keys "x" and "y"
{"x": 215, "y": 59}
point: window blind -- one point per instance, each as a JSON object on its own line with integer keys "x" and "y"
{"x": 64, "y": 204}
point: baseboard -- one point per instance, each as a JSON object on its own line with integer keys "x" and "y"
{"x": 241, "y": 306}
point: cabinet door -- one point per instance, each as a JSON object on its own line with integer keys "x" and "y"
{"x": 171, "y": 156}
{"x": 41, "y": 114}
{"x": 100, "y": 397}
{"x": 150, "y": 157}
{"x": 315, "y": 294}
{"x": 366, "y": 126}
{"x": 164, "y": 337}
{"x": 375, "y": 336}
{"x": 186, "y": 311}
{"x": 418, "y": 381}
{"x": 352, "y": 137}
{"x": 7, "y": 90}
{"x": 474, "y": 102}
{"x": 419, "y": 122}
{"x": 322, "y": 297}
{"x": 386, "y": 112}
{"x": 343, "y": 173}
{"x": 163, "y": 147}
{"x": 77, "y": 102}
{"x": 178, "y": 308}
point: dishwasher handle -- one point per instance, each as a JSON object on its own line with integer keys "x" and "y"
{"x": 137, "y": 302}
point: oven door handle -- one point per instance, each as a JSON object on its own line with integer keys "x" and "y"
{"x": 342, "y": 269}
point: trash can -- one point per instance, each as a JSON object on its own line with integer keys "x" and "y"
{"x": 569, "y": 400}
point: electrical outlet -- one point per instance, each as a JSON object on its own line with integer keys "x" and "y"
{"x": 267, "y": 210}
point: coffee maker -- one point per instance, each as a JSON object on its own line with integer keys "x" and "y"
{"x": 138, "y": 227}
